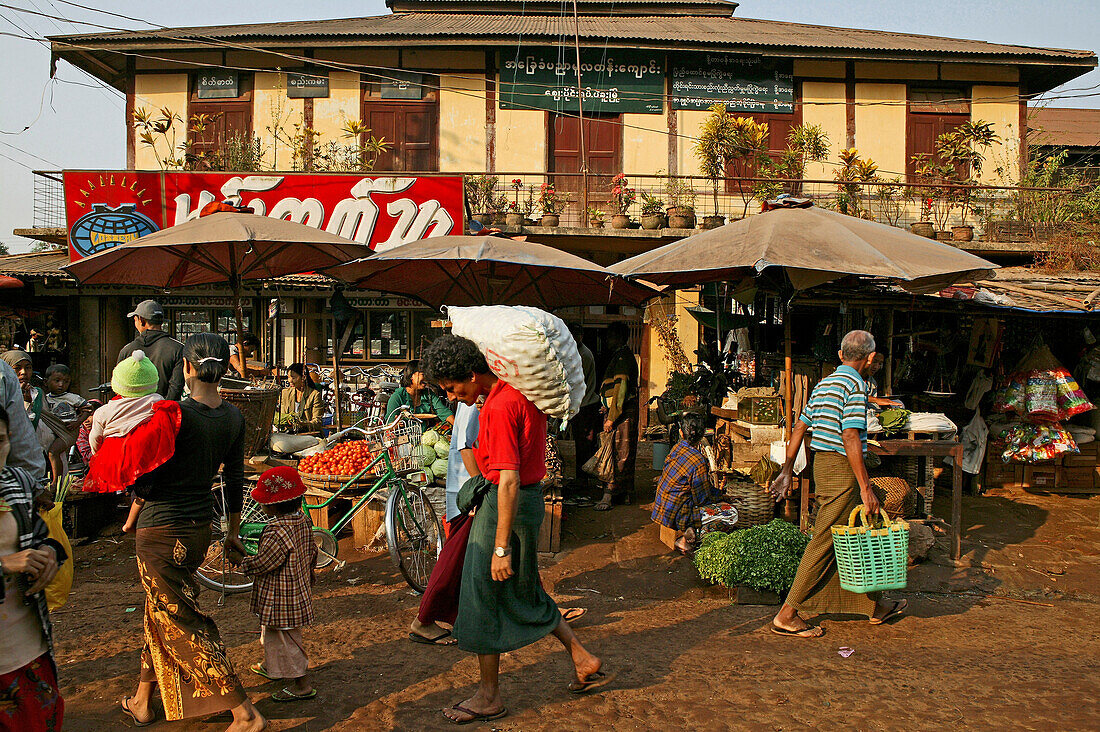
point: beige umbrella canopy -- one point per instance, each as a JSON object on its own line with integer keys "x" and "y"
{"x": 812, "y": 246}
{"x": 489, "y": 270}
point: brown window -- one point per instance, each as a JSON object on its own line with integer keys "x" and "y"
{"x": 228, "y": 118}
{"x": 603, "y": 146}
{"x": 932, "y": 112}
{"x": 406, "y": 116}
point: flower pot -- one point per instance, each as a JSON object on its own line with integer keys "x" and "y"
{"x": 514, "y": 219}
{"x": 713, "y": 222}
{"x": 944, "y": 236}
{"x": 620, "y": 221}
{"x": 923, "y": 228}
{"x": 962, "y": 233}
{"x": 529, "y": 222}
{"x": 549, "y": 220}
{"x": 498, "y": 218}
{"x": 597, "y": 224}
{"x": 483, "y": 218}
{"x": 681, "y": 221}
{"x": 653, "y": 221}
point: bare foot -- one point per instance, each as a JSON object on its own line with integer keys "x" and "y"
{"x": 141, "y": 713}
{"x": 886, "y": 610}
{"x": 795, "y": 625}
{"x": 605, "y": 502}
{"x": 476, "y": 707}
{"x": 433, "y": 632}
{"x": 248, "y": 719}
{"x": 585, "y": 665}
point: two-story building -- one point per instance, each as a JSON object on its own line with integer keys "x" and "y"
{"x": 491, "y": 87}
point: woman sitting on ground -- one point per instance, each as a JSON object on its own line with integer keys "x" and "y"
{"x": 300, "y": 405}
{"x": 685, "y": 486}
{"x": 417, "y": 394}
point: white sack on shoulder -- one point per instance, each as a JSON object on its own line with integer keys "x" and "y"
{"x": 528, "y": 348}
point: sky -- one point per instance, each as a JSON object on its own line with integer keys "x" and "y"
{"x": 74, "y": 122}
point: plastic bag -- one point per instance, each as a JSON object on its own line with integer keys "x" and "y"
{"x": 602, "y": 464}
{"x": 779, "y": 456}
{"x": 57, "y": 591}
{"x": 530, "y": 349}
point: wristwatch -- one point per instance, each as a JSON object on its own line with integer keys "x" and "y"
{"x": 503, "y": 551}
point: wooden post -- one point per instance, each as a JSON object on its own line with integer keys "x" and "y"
{"x": 788, "y": 375}
{"x": 336, "y": 377}
{"x": 956, "y": 504}
{"x": 890, "y": 352}
{"x": 580, "y": 117}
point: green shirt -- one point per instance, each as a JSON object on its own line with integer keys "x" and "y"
{"x": 429, "y": 404}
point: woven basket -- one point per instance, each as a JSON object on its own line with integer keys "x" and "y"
{"x": 258, "y": 407}
{"x": 899, "y": 499}
{"x": 871, "y": 559}
{"x": 333, "y": 483}
{"x": 755, "y": 506}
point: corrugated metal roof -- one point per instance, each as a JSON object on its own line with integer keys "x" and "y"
{"x": 652, "y": 30}
{"x": 1064, "y": 127}
{"x": 554, "y": 7}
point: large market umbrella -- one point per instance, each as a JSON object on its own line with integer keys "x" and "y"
{"x": 812, "y": 246}
{"x": 489, "y": 270}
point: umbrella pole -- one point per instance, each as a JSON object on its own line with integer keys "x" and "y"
{"x": 336, "y": 376}
{"x": 788, "y": 374}
{"x": 238, "y": 315}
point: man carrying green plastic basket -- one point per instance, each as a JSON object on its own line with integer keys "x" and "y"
{"x": 836, "y": 418}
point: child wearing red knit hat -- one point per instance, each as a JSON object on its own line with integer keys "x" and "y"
{"x": 282, "y": 592}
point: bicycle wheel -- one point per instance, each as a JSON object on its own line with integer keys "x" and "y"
{"x": 326, "y": 547}
{"x": 414, "y": 534}
{"x": 215, "y": 572}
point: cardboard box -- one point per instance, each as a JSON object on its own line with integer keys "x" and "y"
{"x": 1041, "y": 476}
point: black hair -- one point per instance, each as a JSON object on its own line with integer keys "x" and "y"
{"x": 578, "y": 332}
{"x": 251, "y": 340}
{"x": 619, "y": 329}
{"x": 211, "y": 347}
{"x": 692, "y": 427}
{"x": 301, "y": 370}
{"x": 407, "y": 373}
{"x": 58, "y": 368}
{"x": 452, "y": 358}
{"x": 285, "y": 508}
{"x": 4, "y": 418}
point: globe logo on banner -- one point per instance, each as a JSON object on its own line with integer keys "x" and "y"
{"x": 104, "y": 227}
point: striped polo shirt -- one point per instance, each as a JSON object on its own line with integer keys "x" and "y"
{"x": 837, "y": 403}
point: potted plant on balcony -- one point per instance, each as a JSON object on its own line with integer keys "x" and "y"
{"x": 480, "y": 197}
{"x": 516, "y": 214}
{"x": 850, "y": 177}
{"x": 726, "y": 141}
{"x": 550, "y": 204}
{"x": 963, "y": 151}
{"x": 595, "y": 217}
{"x": 652, "y": 211}
{"x": 622, "y": 198}
{"x": 681, "y": 203}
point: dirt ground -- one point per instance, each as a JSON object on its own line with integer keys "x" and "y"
{"x": 1010, "y": 640}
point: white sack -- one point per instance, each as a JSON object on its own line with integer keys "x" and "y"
{"x": 528, "y": 348}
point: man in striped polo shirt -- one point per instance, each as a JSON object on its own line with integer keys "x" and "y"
{"x": 836, "y": 418}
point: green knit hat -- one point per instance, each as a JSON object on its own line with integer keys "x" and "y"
{"x": 135, "y": 376}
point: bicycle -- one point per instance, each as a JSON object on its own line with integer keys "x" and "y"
{"x": 413, "y": 532}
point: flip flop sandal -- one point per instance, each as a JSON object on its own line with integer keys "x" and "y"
{"x": 259, "y": 670}
{"x": 137, "y": 722}
{"x": 415, "y": 638}
{"x": 592, "y": 681}
{"x": 475, "y": 716}
{"x": 574, "y": 613}
{"x": 898, "y": 609}
{"x": 286, "y": 695}
{"x": 807, "y": 632}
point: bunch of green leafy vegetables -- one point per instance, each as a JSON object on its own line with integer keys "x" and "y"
{"x": 762, "y": 557}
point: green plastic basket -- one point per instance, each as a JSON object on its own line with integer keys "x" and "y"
{"x": 870, "y": 559}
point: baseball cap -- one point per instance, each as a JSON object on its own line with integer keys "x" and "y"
{"x": 149, "y": 310}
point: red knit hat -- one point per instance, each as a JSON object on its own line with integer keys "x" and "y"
{"x": 279, "y": 484}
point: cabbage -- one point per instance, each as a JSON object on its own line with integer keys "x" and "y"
{"x": 439, "y": 467}
{"x": 426, "y": 455}
{"x": 429, "y": 438}
{"x": 429, "y": 473}
{"x": 442, "y": 449}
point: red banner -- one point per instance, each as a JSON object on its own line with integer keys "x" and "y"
{"x": 104, "y": 208}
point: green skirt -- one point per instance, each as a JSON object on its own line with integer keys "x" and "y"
{"x": 498, "y": 617}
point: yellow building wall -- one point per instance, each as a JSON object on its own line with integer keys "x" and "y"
{"x": 688, "y": 122}
{"x": 880, "y": 128}
{"x": 273, "y": 117}
{"x": 341, "y": 105}
{"x": 462, "y": 134}
{"x": 823, "y": 104}
{"x": 999, "y": 105}
{"x": 645, "y": 146}
{"x": 154, "y": 92}
{"x": 521, "y": 141}
{"x": 687, "y": 328}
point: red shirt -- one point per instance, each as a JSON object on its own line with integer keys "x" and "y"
{"x": 511, "y": 436}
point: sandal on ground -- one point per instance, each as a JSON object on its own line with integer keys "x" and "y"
{"x": 286, "y": 695}
{"x": 475, "y": 716}
{"x": 810, "y": 631}
{"x": 898, "y": 609}
{"x": 259, "y": 670}
{"x": 592, "y": 681}
{"x": 137, "y": 722}
{"x": 571, "y": 614}
{"x": 605, "y": 503}
{"x": 443, "y": 639}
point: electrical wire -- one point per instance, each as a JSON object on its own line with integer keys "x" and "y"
{"x": 30, "y": 154}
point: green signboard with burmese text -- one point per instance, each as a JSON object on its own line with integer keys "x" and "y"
{"x": 742, "y": 83}
{"x": 612, "y": 80}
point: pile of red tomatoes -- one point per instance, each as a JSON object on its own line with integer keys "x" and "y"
{"x": 347, "y": 458}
